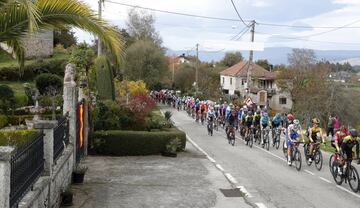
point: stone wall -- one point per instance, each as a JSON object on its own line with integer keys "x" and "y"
{"x": 47, "y": 190}
{"x": 39, "y": 45}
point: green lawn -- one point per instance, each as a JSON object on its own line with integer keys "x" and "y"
{"x": 6, "y": 61}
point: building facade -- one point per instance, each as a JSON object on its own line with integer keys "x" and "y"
{"x": 263, "y": 90}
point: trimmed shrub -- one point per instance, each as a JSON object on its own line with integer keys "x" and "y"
{"x": 3, "y": 121}
{"x": 104, "y": 78}
{"x": 20, "y": 100}
{"x": 53, "y": 66}
{"x": 16, "y": 138}
{"x": 131, "y": 143}
{"x": 48, "y": 84}
{"x": 7, "y": 98}
{"x": 20, "y": 119}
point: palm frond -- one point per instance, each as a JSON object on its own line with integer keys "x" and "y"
{"x": 75, "y": 13}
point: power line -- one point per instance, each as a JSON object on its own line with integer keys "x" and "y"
{"x": 237, "y": 12}
{"x": 238, "y": 38}
{"x": 241, "y": 33}
{"x": 176, "y": 13}
{"x": 232, "y": 19}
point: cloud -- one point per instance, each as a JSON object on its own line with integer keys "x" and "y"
{"x": 260, "y": 4}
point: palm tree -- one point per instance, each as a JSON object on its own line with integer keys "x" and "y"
{"x": 19, "y": 18}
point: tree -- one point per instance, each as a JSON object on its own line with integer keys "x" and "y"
{"x": 49, "y": 85}
{"x": 104, "y": 78}
{"x": 18, "y": 20}
{"x": 230, "y": 59}
{"x": 64, "y": 37}
{"x": 184, "y": 77}
{"x": 302, "y": 58}
{"x": 140, "y": 25}
{"x": 264, "y": 63}
{"x": 144, "y": 60}
{"x": 82, "y": 56}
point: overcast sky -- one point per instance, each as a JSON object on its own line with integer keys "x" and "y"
{"x": 182, "y": 33}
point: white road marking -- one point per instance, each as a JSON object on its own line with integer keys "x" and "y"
{"x": 231, "y": 178}
{"x": 324, "y": 179}
{"x": 243, "y": 189}
{"x": 219, "y": 167}
{"x": 311, "y": 173}
{"x": 350, "y": 192}
{"x": 260, "y": 205}
{"x": 211, "y": 159}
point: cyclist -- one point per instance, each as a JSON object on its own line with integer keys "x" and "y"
{"x": 256, "y": 123}
{"x": 315, "y": 132}
{"x": 249, "y": 118}
{"x": 339, "y": 136}
{"x": 211, "y": 115}
{"x": 264, "y": 122}
{"x": 348, "y": 143}
{"x": 231, "y": 121}
{"x": 292, "y": 134}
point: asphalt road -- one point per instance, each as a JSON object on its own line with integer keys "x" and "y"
{"x": 265, "y": 174}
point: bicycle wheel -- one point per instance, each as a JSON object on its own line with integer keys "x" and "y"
{"x": 338, "y": 177}
{"x": 318, "y": 160}
{"x": 331, "y": 161}
{"x": 297, "y": 160}
{"x": 267, "y": 144}
{"x": 251, "y": 140}
{"x": 259, "y": 138}
{"x": 285, "y": 150}
{"x": 277, "y": 142}
{"x": 233, "y": 140}
{"x": 353, "y": 179}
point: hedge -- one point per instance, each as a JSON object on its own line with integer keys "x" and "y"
{"x": 3, "y": 121}
{"x": 20, "y": 119}
{"x": 132, "y": 143}
{"x": 53, "y": 66}
{"x": 16, "y": 138}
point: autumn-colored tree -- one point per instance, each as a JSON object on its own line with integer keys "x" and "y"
{"x": 132, "y": 87}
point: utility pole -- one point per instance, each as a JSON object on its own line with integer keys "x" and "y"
{"x": 197, "y": 66}
{"x": 250, "y": 68}
{"x": 100, "y": 14}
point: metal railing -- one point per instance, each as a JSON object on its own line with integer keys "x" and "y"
{"x": 27, "y": 165}
{"x": 61, "y": 137}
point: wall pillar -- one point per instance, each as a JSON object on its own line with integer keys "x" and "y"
{"x": 5, "y": 173}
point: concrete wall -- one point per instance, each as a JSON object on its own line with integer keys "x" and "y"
{"x": 275, "y": 102}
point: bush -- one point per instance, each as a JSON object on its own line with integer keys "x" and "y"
{"x": 131, "y": 143}
{"x": 20, "y": 119}
{"x": 48, "y": 84}
{"x": 168, "y": 115}
{"x": 7, "y": 98}
{"x": 20, "y": 100}
{"x": 16, "y": 138}
{"x": 46, "y": 101}
{"x": 53, "y": 66}
{"x": 3, "y": 121}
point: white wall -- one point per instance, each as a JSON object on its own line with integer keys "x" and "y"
{"x": 235, "y": 85}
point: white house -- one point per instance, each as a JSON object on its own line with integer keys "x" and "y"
{"x": 263, "y": 92}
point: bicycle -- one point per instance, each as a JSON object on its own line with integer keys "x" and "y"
{"x": 276, "y": 137}
{"x": 249, "y": 138}
{"x": 316, "y": 155}
{"x": 295, "y": 154}
{"x": 332, "y": 158}
{"x": 210, "y": 127}
{"x": 266, "y": 139}
{"x": 257, "y": 135}
{"x": 231, "y": 135}
{"x": 216, "y": 124}
{"x": 350, "y": 175}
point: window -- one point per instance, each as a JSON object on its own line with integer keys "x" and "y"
{"x": 242, "y": 82}
{"x": 223, "y": 80}
{"x": 230, "y": 81}
{"x": 282, "y": 101}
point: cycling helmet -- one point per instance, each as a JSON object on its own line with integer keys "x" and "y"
{"x": 258, "y": 111}
{"x": 290, "y": 117}
{"x": 265, "y": 114}
{"x": 353, "y": 132}
{"x": 250, "y": 113}
{"x": 296, "y": 122}
{"x": 211, "y": 108}
{"x": 315, "y": 121}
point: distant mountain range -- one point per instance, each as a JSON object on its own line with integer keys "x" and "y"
{"x": 278, "y": 55}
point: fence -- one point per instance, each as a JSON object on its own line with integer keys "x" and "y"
{"x": 27, "y": 164}
{"x": 61, "y": 137}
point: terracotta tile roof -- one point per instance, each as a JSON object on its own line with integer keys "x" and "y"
{"x": 240, "y": 70}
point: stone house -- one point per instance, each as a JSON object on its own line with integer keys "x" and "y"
{"x": 264, "y": 91}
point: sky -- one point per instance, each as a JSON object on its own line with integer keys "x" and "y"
{"x": 183, "y": 33}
